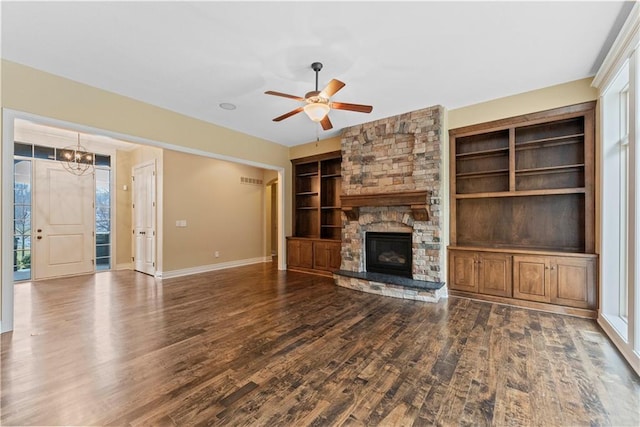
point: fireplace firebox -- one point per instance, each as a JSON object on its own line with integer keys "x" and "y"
{"x": 389, "y": 253}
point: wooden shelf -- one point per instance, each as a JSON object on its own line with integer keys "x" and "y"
{"x": 307, "y": 174}
{"x": 331, "y": 175}
{"x": 307, "y": 193}
{"x": 536, "y": 145}
{"x": 330, "y": 207}
{"x": 482, "y": 153}
{"x": 540, "y": 141}
{"x": 307, "y": 208}
{"x": 549, "y": 169}
{"x": 331, "y": 226}
{"x": 521, "y": 249}
{"x": 482, "y": 173}
{"x": 523, "y": 193}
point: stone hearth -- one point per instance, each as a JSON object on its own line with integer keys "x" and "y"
{"x": 391, "y": 182}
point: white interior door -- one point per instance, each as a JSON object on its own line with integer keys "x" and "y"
{"x": 63, "y": 240}
{"x": 144, "y": 218}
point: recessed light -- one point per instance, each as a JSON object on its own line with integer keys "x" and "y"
{"x": 227, "y": 106}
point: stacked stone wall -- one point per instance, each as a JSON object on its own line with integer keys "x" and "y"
{"x": 396, "y": 154}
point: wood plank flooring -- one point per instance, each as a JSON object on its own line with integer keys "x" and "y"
{"x": 255, "y": 346}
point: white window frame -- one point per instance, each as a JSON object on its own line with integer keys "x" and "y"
{"x": 618, "y": 81}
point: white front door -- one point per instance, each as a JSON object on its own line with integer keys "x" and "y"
{"x": 63, "y": 240}
{"x": 144, "y": 217}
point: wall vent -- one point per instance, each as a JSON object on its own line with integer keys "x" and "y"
{"x": 247, "y": 180}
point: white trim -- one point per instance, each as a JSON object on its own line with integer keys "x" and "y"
{"x": 124, "y": 266}
{"x": 7, "y": 221}
{"x": 631, "y": 356}
{"x": 211, "y": 267}
{"x": 626, "y": 41}
{"x": 282, "y": 251}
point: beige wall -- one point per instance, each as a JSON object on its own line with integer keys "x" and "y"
{"x": 222, "y": 213}
{"x": 313, "y": 148}
{"x": 123, "y": 210}
{"x": 29, "y": 90}
{"x": 529, "y": 102}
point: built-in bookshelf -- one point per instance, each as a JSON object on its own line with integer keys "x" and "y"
{"x": 524, "y": 187}
{"x": 317, "y": 215}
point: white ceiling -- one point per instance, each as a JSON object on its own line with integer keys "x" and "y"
{"x": 397, "y": 56}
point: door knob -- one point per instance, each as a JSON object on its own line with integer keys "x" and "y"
{"x": 39, "y": 237}
{"x": 39, "y": 230}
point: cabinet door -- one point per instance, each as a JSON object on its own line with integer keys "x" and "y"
{"x": 462, "y": 271}
{"x": 573, "y": 282}
{"x": 531, "y": 278}
{"x": 335, "y": 256}
{"x": 494, "y": 274}
{"x": 326, "y": 256}
{"x": 300, "y": 253}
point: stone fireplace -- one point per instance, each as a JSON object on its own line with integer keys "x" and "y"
{"x": 391, "y": 183}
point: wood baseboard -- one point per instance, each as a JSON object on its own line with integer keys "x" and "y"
{"x": 541, "y": 306}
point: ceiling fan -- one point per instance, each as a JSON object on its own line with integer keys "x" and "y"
{"x": 318, "y": 102}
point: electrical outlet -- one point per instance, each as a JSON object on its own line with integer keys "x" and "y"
{"x": 217, "y": 254}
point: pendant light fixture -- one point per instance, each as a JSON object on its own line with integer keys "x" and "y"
{"x": 76, "y": 159}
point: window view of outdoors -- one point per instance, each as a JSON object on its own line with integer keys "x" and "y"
{"x": 22, "y": 220}
{"x": 103, "y": 219}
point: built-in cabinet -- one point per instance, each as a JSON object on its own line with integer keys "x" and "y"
{"x": 316, "y": 241}
{"x": 523, "y": 209}
{"x": 484, "y": 272}
{"x": 555, "y": 279}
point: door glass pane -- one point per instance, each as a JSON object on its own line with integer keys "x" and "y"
{"x": 103, "y": 219}
{"x": 22, "y": 220}
{"x": 24, "y": 150}
{"x": 41, "y": 152}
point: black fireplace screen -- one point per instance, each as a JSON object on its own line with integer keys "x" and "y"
{"x": 389, "y": 253}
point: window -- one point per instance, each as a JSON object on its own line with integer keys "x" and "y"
{"x": 103, "y": 219}
{"x": 21, "y": 219}
{"x": 615, "y": 196}
{"x": 619, "y": 83}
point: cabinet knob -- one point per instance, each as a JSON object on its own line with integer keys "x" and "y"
{"x": 553, "y": 267}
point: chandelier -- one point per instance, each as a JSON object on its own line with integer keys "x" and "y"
{"x": 76, "y": 159}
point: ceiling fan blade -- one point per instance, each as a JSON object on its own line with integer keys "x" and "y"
{"x": 326, "y": 123}
{"x": 284, "y": 95}
{"x": 289, "y": 114}
{"x": 333, "y": 87}
{"x": 352, "y": 107}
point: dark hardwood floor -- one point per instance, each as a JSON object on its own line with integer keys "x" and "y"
{"x": 254, "y": 346}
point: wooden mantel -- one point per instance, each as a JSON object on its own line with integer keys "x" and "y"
{"x": 416, "y": 200}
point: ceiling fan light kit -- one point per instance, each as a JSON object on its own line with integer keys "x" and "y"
{"x": 316, "y": 111}
{"x": 318, "y": 102}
